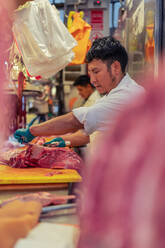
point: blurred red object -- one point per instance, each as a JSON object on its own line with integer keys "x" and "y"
{"x": 5, "y": 44}
{"x": 123, "y": 196}
{"x": 21, "y": 121}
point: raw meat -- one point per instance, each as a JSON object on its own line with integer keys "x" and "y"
{"x": 39, "y": 140}
{"x": 43, "y": 157}
{"x": 44, "y": 198}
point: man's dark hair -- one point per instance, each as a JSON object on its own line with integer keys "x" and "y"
{"x": 83, "y": 80}
{"x": 108, "y": 49}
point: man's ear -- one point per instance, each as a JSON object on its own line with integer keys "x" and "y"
{"x": 88, "y": 86}
{"x": 116, "y": 67}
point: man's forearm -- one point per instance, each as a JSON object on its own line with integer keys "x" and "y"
{"x": 57, "y": 126}
{"x": 78, "y": 138}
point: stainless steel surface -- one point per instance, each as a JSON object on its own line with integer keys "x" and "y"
{"x": 49, "y": 209}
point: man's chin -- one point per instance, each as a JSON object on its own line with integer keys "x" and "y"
{"x": 101, "y": 91}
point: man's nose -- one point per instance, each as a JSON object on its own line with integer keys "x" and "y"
{"x": 92, "y": 79}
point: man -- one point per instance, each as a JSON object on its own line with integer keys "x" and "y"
{"x": 86, "y": 90}
{"x": 107, "y": 60}
{"x": 91, "y": 96}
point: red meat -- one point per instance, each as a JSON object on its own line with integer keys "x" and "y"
{"x": 45, "y": 157}
{"x": 36, "y": 155}
{"x": 39, "y": 140}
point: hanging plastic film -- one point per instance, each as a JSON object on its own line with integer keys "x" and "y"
{"x": 42, "y": 39}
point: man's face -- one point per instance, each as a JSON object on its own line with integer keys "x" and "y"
{"x": 84, "y": 91}
{"x": 100, "y": 77}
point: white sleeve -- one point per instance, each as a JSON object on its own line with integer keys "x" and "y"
{"x": 103, "y": 114}
{"x": 80, "y": 114}
{"x": 98, "y": 117}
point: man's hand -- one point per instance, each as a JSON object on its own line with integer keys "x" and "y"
{"x": 23, "y": 135}
{"x": 58, "y": 142}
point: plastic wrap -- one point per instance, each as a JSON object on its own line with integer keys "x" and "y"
{"x": 42, "y": 39}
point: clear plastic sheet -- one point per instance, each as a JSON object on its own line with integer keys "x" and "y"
{"x": 42, "y": 39}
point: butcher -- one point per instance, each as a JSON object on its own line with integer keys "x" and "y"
{"x": 107, "y": 60}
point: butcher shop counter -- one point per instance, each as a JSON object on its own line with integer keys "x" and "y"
{"x": 67, "y": 216}
{"x": 14, "y": 181}
{"x": 60, "y": 227}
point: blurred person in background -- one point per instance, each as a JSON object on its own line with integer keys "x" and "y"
{"x": 123, "y": 196}
{"x": 86, "y": 90}
{"x": 107, "y": 60}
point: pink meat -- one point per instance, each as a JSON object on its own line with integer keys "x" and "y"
{"x": 39, "y": 140}
{"x": 44, "y": 198}
{"x": 45, "y": 157}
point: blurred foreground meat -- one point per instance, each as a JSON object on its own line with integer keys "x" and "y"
{"x": 17, "y": 219}
{"x": 43, "y": 157}
{"x": 44, "y": 198}
{"x": 124, "y": 203}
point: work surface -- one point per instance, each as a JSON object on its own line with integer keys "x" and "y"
{"x": 68, "y": 216}
{"x": 14, "y": 181}
{"x": 10, "y": 175}
{"x": 46, "y": 237}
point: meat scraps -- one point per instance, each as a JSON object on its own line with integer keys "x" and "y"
{"x": 43, "y": 157}
{"x": 44, "y": 198}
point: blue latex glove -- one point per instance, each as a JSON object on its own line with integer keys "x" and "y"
{"x": 58, "y": 139}
{"x": 23, "y": 135}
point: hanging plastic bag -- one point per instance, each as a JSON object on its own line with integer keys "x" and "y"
{"x": 80, "y": 30}
{"x": 42, "y": 39}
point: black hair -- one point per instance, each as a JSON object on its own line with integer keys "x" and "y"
{"x": 108, "y": 49}
{"x": 83, "y": 80}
